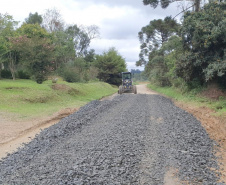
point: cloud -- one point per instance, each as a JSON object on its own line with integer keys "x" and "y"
{"x": 129, "y": 50}
{"x": 135, "y": 4}
{"x": 112, "y": 3}
{"x": 21, "y": 9}
{"x": 125, "y": 26}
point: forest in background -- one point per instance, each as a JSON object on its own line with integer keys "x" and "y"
{"x": 44, "y": 46}
{"x": 188, "y": 55}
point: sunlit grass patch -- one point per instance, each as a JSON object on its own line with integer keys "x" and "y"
{"x": 193, "y": 98}
{"x": 28, "y": 99}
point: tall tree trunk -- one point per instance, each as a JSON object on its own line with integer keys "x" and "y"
{"x": 197, "y": 5}
{"x": 12, "y": 66}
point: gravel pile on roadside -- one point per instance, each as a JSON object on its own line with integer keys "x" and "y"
{"x": 133, "y": 139}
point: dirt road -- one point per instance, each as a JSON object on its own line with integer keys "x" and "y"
{"x": 128, "y": 139}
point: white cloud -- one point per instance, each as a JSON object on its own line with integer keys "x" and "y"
{"x": 20, "y": 9}
{"x": 129, "y": 50}
{"x": 93, "y": 14}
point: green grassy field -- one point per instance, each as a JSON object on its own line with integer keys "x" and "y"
{"x": 218, "y": 105}
{"x": 26, "y": 99}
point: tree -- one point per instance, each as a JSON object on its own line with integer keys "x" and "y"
{"x": 34, "y": 19}
{"x": 166, "y": 3}
{"x": 90, "y": 57}
{"x": 37, "y": 55}
{"x": 88, "y": 33}
{"x": 64, "y": 48}
{"x": 82, "y": 37}
{"x": 35, "y": 49}
{"x": 7, "y": 55}
{"x": 135, "y": 71}
{"x": 110, "y": 64}
{"x": 161, "y": 67}
{"x": 204, "y": 41}
{"x": 33, "y": 30}
{"x": 172, "y": 49}
{"x": 53, "y": 21}
{"x": 154, "y": 35}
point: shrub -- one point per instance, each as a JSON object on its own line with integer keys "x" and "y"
{"x": 23, "y": 74}
{"x": 6, "y": 74}
{"x": 40, "y": 71}
{"x": 86, "y": 77}
{"x": 39, "y": 77}
{"x": 158, "y": 77}
{"x": 194, "y": 84}
{"x": 222, "y": 82}
{"x": 93, "y": 72}
{"x": 70, "y": 75}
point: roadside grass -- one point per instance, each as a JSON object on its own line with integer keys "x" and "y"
{"x": 25, "y": 99}
{"x": 193, "y": 98}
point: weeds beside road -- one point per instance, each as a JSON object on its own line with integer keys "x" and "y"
{"x": 219, "y": 106}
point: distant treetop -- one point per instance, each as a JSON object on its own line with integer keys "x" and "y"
{"x": 34, "y": 19}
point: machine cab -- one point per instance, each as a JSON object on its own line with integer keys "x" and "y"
{"x": 127, "y": 84}
{"x": 127, "y": 80}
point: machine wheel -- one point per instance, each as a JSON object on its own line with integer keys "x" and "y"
{"x": 120, "y": 91}
{"x": 134, "y": 89}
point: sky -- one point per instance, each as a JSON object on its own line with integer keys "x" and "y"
{"x": 119, "y": 21}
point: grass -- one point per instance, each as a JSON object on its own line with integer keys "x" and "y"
{"x": 25, "y": 99}
{"x": 193, "y": 98}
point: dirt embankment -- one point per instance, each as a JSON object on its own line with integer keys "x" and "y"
{"x": 14, "y": 133}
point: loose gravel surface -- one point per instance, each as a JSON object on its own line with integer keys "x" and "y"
{"x": 132, "y": 139}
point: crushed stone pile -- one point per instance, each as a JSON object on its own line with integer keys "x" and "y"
{"x": 132, "y": 139}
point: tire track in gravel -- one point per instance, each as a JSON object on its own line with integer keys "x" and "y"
{"x": 133, "y": 139}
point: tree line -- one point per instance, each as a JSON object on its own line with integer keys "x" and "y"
{"x": 188, "y": 55}
{"x": 44, "y": 45}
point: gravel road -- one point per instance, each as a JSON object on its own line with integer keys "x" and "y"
{"x": 131, "y": 139}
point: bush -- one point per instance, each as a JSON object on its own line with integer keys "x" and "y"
{"x": 93, "y": 72}
{"x": 6, "y": 74}
{"x": 70, "y": 75}
{"x": 23, "y": 75}
{"x": 40, "y": 70}
{"x": 114, "y": 79}
{"x": 74, "y": 71}
{"x": 180, "y": 84}
{"x": 222, "y": 82}
{"x": 39, "y": 77}
{"x": 194, "y": 84}
{"x": 86, "y": 77}
{"x": 158, "y": 77}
